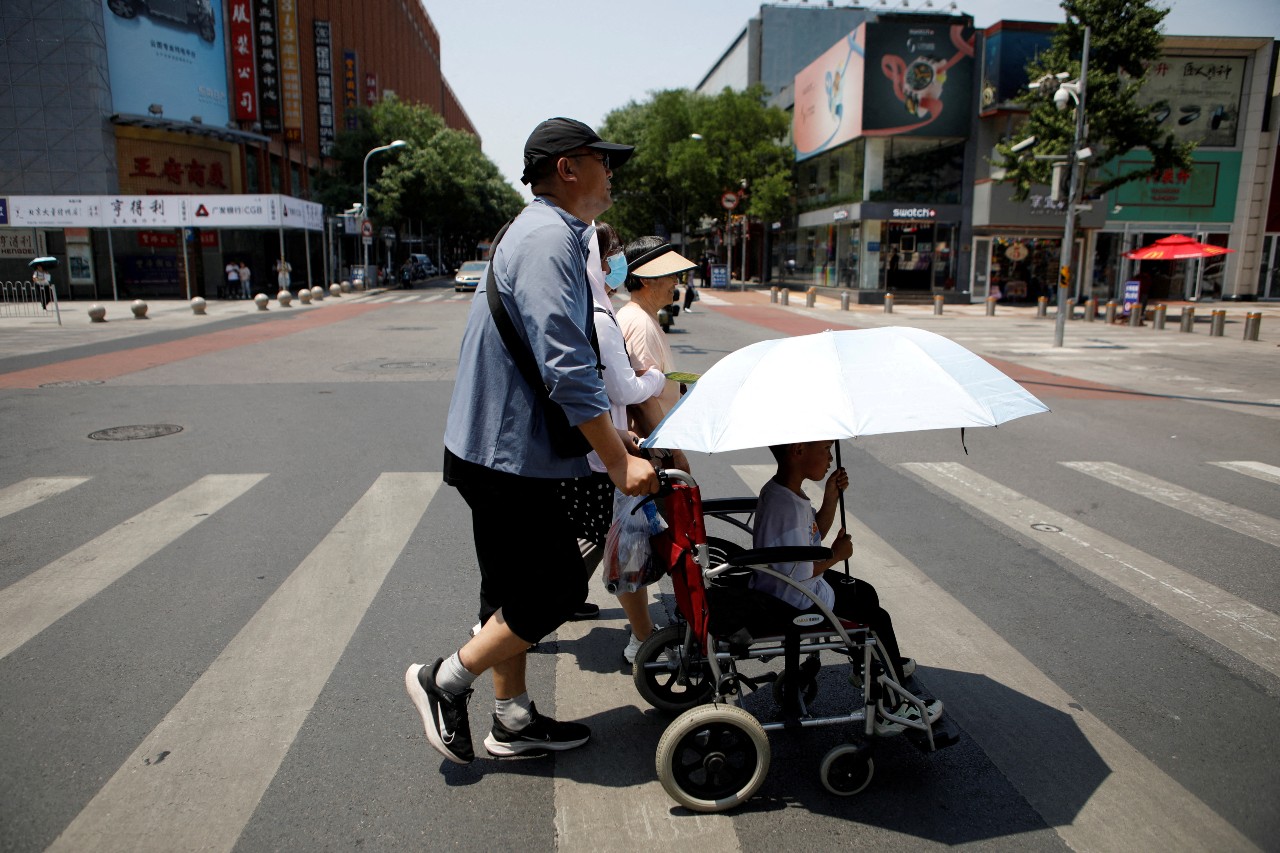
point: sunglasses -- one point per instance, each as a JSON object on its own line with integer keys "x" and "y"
{"x": 603, "y": 158}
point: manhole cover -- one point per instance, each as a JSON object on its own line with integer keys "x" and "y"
{"x": 408, "y": 365}
{"x": 72, "y": 383}
{"x": 136, "y": 431}
{"x": 408, "y": 328}
{"x": 1046, "y": 528}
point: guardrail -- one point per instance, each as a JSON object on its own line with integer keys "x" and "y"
{"x": 27, "y": 299}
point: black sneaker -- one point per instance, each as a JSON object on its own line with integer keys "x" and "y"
{"x": 542, "y": 735}
{"x": 444, "y": 715}
{"x": 585, "y": 610}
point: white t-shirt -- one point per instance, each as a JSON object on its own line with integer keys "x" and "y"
{"x": 233, "y": 272}
{"x": 648, "y": 347}
{"x": 785, "y": 518}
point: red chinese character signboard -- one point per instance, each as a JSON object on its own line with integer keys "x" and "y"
{"x": 244, "y": 83}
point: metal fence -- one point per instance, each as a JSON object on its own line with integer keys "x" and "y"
{"x": 28, "y": 299}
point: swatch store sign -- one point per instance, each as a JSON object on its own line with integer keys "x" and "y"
{"x": 913, "y": 213}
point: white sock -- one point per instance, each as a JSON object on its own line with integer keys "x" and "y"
{"x": 515, "y": 713}
{"x": 452, "y": 676}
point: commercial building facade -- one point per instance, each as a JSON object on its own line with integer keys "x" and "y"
{"x": 109, "y": 99}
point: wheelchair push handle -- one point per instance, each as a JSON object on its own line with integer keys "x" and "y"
{"x": 665, "y": 478}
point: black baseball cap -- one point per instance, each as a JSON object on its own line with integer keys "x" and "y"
{"x": 555, "y": 136}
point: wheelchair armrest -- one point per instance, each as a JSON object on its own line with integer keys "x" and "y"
{"x": 716, "y": 506}
{"x": 783, "y": 554}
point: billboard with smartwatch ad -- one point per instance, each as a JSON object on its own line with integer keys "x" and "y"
{"x": 168, "y": 56}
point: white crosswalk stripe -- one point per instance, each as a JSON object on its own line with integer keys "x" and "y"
{"x": 240, "y": 718}
{"x": 1269, "y": 473}
{"x": 1138, "y": 806}
{"x": 1249, "y": 631}
{"x": 46, "y": 595}
{"x": 1203, "y": 507}
{"x": 32, "y": 491}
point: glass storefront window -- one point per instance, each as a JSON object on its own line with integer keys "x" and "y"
{"x": 918, "y": 256}
{"x": 929, "y": 171}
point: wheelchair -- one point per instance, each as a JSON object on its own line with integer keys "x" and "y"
{"x": 715, "y": 755}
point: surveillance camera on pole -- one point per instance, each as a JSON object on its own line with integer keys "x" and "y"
{"x": 1023, "y": 145}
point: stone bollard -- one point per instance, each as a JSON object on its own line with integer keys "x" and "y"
{"x": 1188, "y": 323}
{"x": 888, "y": 303}
{"x": 1157, "y": 317}
{"x": 284, "y": 297}
{"x": 1135, "y": 315}
{"x": 810, "y": 297}
{"x": 335, "y": 290}
{"x": 991, "y": 306}
{"x": 139, "y": 309}
{"x": 1217, "y": 323}
{"x": 345, "y": 285}
{"x": 304, "y": 296}
{"x": 786, "y": 296}
{"x": 1042, "y": 306}
{"x": 261, "y": 301}
{"x": 317, "y": 293}
{"x": 773, "y": 294}
{"x": 198, "y": 305}
{"x": 97, "y": 314}
{"x": 1091, "y": 310}
{"x": 1252, "y": 325}
{"x": 937, "y": 303}
{"x": 844, "y": 301}
{"x": 1112, "y": 306}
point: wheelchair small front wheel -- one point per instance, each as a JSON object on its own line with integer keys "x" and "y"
{"x": 658, "y": 676}
{"x": 847, "y": 769}
{"x": 713, "y": 758}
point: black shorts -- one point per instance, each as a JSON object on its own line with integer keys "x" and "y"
{"x": 526, "y": 547}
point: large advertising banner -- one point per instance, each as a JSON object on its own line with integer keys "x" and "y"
{"x": 266, "y": 41}
{"x": 324, "y": 86}
{"x": 919, "y": 80}
{"x": 828, "y": 110}
{"x": 1201, "y": 95}
{"x": 168, "y": 56}
{"x": 350, "y": 91}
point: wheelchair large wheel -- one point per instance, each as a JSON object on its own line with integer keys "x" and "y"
{"x": 658, "y": 677}
{"x": 713, "y": 758}
{"x": 847, "y": 769}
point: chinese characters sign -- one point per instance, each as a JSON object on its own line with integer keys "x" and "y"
{"x": 147, "y": 166}
{"x": 350, "y": 95}
{"x": 149, "y": 212}
{"x": 290, "y": 69}
{"x": 1201, "y": 95}
{"x": 137, "y": 211}
{"x": 46, "y": 211}
{"x": 244, "y": 84}
{"x": 370, "y": 89}
{"x": 266, "y": 41}
{"x": 18, "y": 244}
{"x": 1204, "y": 193}
{"x": 324, "y": 86}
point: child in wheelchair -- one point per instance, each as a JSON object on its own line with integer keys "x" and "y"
{"x": 785, "y": 517}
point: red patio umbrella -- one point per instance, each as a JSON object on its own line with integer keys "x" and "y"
{"x": 1179, "y": 247}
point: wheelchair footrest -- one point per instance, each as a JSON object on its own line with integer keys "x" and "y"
{"x": 945, "y": 734}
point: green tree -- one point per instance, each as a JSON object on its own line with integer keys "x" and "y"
{"x": 692, "y": 148}
{"x": 441, "y": 179}
{"x": 1125, "y": 37}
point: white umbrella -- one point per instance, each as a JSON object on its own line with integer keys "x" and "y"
{"x": 835, "y": 385}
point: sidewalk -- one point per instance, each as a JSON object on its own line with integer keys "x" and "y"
{"x": 41, "y": 333}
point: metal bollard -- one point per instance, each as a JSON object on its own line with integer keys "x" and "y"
{"x": 844, "y": 301}
{"x": 1188, "y": 323}
{"x": 1157, "y": 318}
{"x": 937, "y": 303}
{"x": 1091, "y": 310}
{"x": 888, "y": 303}
{"x": 1135, "y": 315}
{"x": 1042, "y": 306}
{"x": 786, "y": 297}
{"x": 991, "y": 306}
{"x": 1111, "y": 311}
{"x": 1252, "y": 325}
{"x": 773, "y": 294}
{"x": 1217, "y": 323}
{"x": 810, "y": 297}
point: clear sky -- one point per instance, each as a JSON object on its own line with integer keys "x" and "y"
{"x": 513, "y": 63}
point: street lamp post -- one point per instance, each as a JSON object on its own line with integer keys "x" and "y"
{"x": 1074, "y": 90}
{"x": 399, "y": 143}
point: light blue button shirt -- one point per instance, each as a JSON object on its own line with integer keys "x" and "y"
{"x": 540, "y": 269}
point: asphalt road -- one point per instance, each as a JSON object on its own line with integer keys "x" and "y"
{"x": 203, "y": 634}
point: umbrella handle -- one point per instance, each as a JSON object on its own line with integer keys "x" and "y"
{"x": 840, "y": 498}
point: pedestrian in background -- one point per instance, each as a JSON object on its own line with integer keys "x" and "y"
{"x": 283, "y": 269}
{"x": 232, "y": 286}
{"x": 499, "y": 452}
{"x": 40, "y": 278}
{"x": 246, "y": 281}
